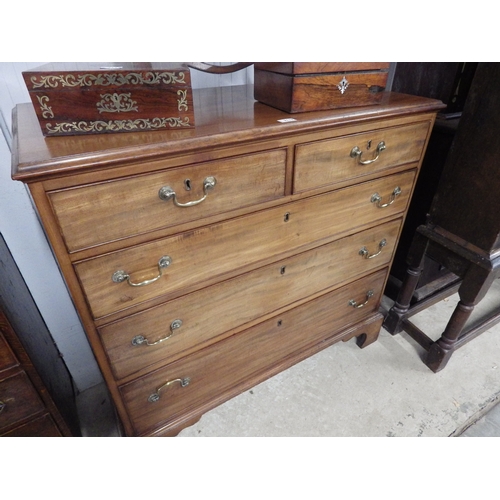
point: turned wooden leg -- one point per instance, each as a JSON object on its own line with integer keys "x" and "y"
{"x": 440, "y": 351}
{"x": 397, "y": 314}
{"x": 476, "y": 283}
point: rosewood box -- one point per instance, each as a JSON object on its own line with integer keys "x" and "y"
{"x": 97, "y": 98}
{"x": 295, "y": 87}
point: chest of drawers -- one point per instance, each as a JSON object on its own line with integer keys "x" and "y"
{"x": 26, "y": 408}
{"x": 204, "y": 261}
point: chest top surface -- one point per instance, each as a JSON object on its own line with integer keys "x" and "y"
{"x": 225, "y": 116}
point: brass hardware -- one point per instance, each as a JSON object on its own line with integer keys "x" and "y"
{"x": 3, "y": 404}
{"x": 120, "y": 276}
{"x": 364, "y": 251}
{"x": 376, "y": 198}
{"x": 140, "y": 339}
{"x": 354, "y": 304}
{"x": 116, "y": 103}
{"x": 153, "y": 398}
{"x": 109, "y": 79}
{"x": 45, "y": 108}
{"x": 166, "y": 193}
{"x": 118, "y": 125}
{"x": 356, "y": 153}
{"x": 182, "y": 103}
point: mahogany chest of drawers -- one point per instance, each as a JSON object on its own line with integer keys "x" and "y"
{"x": 203, "y": 261}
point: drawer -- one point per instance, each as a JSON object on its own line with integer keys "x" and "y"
{"x": 328, "y": 162}
{"x": 165, "y": 333}
{"x": 40, "y": 427}
{"x": 94, "y": 214}
{"x": 201, "y": 257}
{"x": 7, "y": 358}
{"x": 154, "y": 400}
{"x": 18, "y": 400}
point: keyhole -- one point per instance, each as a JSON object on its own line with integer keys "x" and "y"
{"x": 280, "y": 322}
{"x": 282, "y": 270}
{"x": 369, "y": 144}
{"x": 187, "y": 184}
{"x": 287, "y": 217}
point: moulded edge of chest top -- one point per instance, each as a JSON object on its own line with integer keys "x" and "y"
{"x": 37, "y": 158}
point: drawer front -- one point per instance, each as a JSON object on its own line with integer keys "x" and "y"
{"x": 164, "y": 333}
{"x": 201, "y": 257}
{"x": 214, "y": 371}
{"x": 40, "y": 427}
{"x": 109, "y": 211}
{"x": 18, "y": 400}
{"x": 7, "y": 358}
{"x": 326, "y": 163}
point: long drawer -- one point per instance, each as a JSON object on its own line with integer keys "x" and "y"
{"x": 98, "y": 213}
{"x": 159, "y": 397}
{"x": 328, "y": 162}
{"x": 200, "y": 257}
{"x": 165, "y": 333}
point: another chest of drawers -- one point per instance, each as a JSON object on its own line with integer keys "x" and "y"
{"x": 26, "y": 408}
{"x": 204, "y": 261}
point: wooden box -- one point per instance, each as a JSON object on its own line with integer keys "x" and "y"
{"x": 93, "y": 98}
{"x": 311, "y": 86}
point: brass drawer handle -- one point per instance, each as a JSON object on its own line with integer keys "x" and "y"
{"x": 139, "y": 339}
{"x": 376, "y": 198}
{"x": 153, "y": 398}
{"x": 354, "y": 304}
{"x": 166, "y": 193}
{"x": 364, "y": 251}
{"x": 356, "y": 153}
{"x": 120, "y": 276}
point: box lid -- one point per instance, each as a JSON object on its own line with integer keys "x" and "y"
{"x": 304, "y": 68}
{"x": 66, "y": 76}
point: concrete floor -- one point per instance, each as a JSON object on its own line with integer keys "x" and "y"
{"x": 343, "y": 391}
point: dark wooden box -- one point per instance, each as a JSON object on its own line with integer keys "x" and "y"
{"x": 296, "y": 87}
{"x": 93, "y": 98}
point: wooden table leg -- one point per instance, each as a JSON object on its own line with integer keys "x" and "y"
{"x": 476, "y": 283}
{"x": 397, "y": 314}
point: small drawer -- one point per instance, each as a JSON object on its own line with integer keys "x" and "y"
{"x": 198, "y": 258}
{"x": 213, "y": 373}
{"x": 95, "y": 214}
{"x": 332, "y": 161}
{"x": 163, "y": 334}
{"x": 18, "y": 400}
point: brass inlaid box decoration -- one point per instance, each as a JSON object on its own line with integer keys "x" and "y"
{"x": 97, "y": 98}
